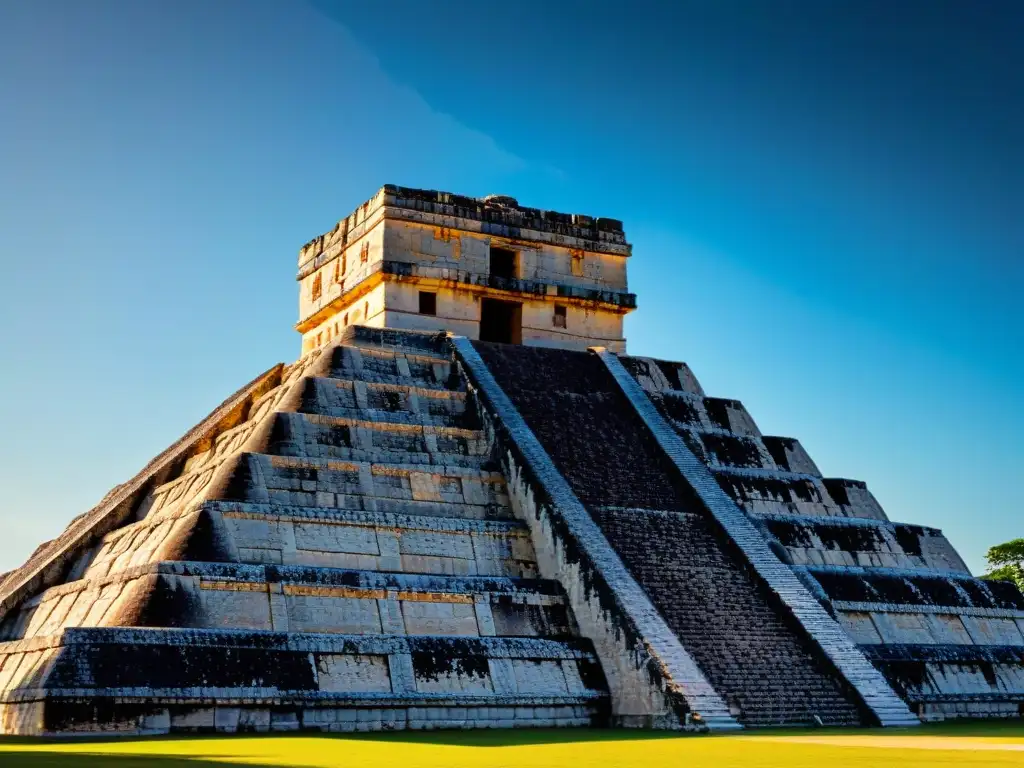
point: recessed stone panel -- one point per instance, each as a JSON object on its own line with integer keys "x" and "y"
{"x": 339, "y": 673}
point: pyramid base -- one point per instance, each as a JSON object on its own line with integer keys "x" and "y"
{"x": 120, "y": 717}
{"x": 148, "y": 681}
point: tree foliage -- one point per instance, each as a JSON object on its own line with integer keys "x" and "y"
{"x": 1006, "y": 562}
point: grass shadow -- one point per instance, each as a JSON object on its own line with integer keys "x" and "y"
{"x": 509, "y": 737}
{"x": 480, "y": 738}
{"x": 1012, "y": 728}
{"x": 45, "y": 759}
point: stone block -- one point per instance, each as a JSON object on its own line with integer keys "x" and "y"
{"x": 194, "y": 719}
{"x": 424, "y": 487}
{"x": 257, "y": 720}
{"x": 340, "y": 673}
{"x": 391, "y": 619}
{"x": 402, "y": 676}
{"x": 484, "y": 617}
{"x": 539, "y": 677}
{"x": 284, "y": 721}
{"x": 226, "y": 719}
{"x": 437, "y": 618}
{"x": 157, "y": 721}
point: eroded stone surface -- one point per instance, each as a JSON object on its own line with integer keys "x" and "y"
{"x": 564, "y": 276}
{"x": 341, "y": 556}
{"x": 734, "y": 627}
{"x": 402, "y": 530}
{"x": 948, "y": 643}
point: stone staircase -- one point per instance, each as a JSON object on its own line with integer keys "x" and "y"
{"x": 768, "y": 674}
{"x": 949, "y": 644}
{"x": 757, "y": 658}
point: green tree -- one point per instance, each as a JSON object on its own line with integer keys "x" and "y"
{"x": 1006, "y": 562}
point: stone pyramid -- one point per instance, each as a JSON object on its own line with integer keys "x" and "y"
{"x": 410, "y": 529}
{"x": 332, "y": 547}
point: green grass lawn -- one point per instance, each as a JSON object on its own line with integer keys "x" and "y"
{"x": 960, "y": 744}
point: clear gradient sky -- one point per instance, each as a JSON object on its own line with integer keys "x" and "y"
{"x": 826, "y": 202}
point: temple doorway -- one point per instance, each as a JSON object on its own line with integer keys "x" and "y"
{"x": 501, "y": 321}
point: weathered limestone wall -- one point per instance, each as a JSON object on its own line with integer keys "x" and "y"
{"x": 944, "y": 681}
{"x": 156, "y": 681}
{"x": 333, "y": 601}
{"x": 414, "y": 240}
{"x": 617, "y": 467}
{"x": 453, "y": 246}
{"x": 338, "y": 555}
{"x": 861, "y": 542}
{"x": 111, "y": 601}
{"x": 296, "y": 535}
{"x": 499, "y": 218}
{"x": 365, "y": 306}
{"x": 74, "y": 549}
{"x": 903, "y": 606}
{"x": 458, "y": 311}
{"x": 361, "y": 250}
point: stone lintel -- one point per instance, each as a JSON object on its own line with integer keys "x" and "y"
{"x": 502, "y": 287}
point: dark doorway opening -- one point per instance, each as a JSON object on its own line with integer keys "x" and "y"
{"x": 502, "y": 262}
{"x": 501, "y": 321}
{"x": 428, "y": 303}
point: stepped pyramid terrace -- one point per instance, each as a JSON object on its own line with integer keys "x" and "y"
{"x": 466, "y": 506}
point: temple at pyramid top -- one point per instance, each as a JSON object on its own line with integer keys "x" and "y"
{"x": 413, "y": 529}
{"x": 486, "y": 268}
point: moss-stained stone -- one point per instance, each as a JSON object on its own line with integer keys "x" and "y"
{"x": 404, "y": 530}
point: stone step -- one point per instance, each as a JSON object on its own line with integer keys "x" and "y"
{"x": 376, "y": 540}
{"x": 391, "y": 534}
{"x": 329, "y": 483}
{"x": 748, "y": 649}
{"x": 855, "y": 541}
{"x": 377, "y": 352}
{"x": 392, "y": 367}
{"x": 788, "y": 493}
{"x": 160, "y": 680}
{"x": 725, "y": 450}
{"x": 499, "y": 543}
{"x": 729, "y": 438}
{"x": 914, "y": 587}
{"x": 405, "y": 507}
{"x": 329, "y": 437}
{"x": 397, "y": 417}
{"x": 353, "y": 602}
{"x": 707, "y": 414}
{"x": 433, "y": 343}
{"x": 788, "y": 718}
{"x": 383, "y": 401}
{"x": 302, "y": 598}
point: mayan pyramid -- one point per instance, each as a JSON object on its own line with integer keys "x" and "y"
{"x": 466, "y": 506}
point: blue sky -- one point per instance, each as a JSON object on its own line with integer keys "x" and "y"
{"x": 826, "y": 202}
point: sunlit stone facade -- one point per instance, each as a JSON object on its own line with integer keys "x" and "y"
{"x": 410, "y": 529}
{"x": 482, "y": 268}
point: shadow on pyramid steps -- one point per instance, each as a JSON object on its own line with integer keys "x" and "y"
{"x": 332, "y": 548}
